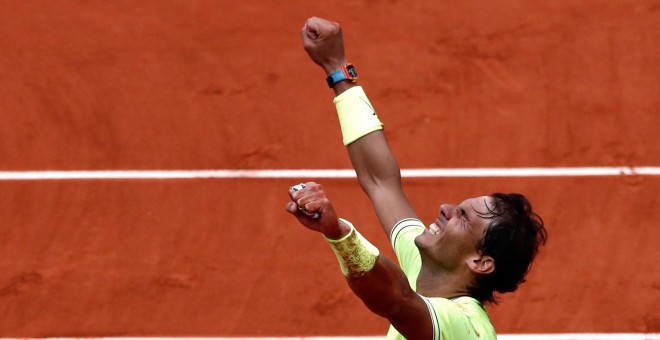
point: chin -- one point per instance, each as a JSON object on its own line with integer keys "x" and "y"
{"x": 419, "y": 241}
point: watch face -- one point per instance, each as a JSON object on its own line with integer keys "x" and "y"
{"x": 351, "y": 71}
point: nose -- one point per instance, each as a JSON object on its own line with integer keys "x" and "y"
{"x": 447, "y": 211}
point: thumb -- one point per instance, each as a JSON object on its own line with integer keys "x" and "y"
{"x": 311, "y": 32}
{"x": 292, "y": 208}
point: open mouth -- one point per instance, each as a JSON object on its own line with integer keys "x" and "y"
{"x": 434, "y": 228}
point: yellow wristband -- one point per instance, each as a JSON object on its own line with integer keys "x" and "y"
{"x": 356, "y": 255}
{"x": 357, "y": 116}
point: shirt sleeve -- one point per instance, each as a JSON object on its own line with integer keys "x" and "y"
{"x": 403, "y": 241}
{"x": 462, "y": 319}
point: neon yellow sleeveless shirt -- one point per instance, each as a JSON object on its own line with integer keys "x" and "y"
{"x": 459, "y": 318}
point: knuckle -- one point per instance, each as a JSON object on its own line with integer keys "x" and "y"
{"x": 313, "y": 187}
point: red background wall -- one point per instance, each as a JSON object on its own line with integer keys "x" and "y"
{"x": 225, "y": 85}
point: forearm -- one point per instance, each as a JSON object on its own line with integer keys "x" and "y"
{"x": 377, "y": 170}
{"x": 384, "y": 289}
{"x": 373, "y": 160}
{"x": 374, "y": 163}
{"x": 362, "y": 134}
{"x": 342, "y": 86}
{"x": 381, "y": 285}
{"x": 372, "y": 277}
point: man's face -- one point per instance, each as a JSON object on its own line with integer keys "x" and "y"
{"x": 452, "y": 239}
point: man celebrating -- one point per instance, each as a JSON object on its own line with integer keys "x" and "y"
{"x": 450, "y": 268}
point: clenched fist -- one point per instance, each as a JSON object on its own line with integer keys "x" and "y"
{"x": 324, "y": 42}
{"x": 309, "y": 200}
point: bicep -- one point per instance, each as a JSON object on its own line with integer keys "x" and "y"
{"x": 414, "y": 320}
{"x": 391, "y": 206}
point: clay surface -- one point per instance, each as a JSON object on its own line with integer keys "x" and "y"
{"x": 169, "y": 85}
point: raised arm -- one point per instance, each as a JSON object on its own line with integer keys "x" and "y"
{"x": 375, "y": 279}
{"x": 377, "y": 169}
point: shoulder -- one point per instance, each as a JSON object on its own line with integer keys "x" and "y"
{"x": 406, "y": 228}
{"x": 403, "y": 242}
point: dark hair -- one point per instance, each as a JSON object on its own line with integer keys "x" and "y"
{"x": 512, "y": 239}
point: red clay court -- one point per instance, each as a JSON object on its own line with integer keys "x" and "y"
{"x": 225, "y": 85}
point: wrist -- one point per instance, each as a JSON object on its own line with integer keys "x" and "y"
{"x": 357, "y": 117}
{"x": 356, "y": 255}
{"x": 333, "y": 65}
{"x": 337, "y": 233}
{"x": 345, "y": 73}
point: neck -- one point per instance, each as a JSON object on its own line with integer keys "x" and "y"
{"x": 440, "y": 283}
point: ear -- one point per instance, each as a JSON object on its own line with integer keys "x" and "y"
{"x": 482, "y": 264}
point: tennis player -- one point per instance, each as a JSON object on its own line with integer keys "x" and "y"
{"x": 448, "y": 269}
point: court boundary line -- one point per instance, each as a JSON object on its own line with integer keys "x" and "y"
{"x": 30, "y": 175}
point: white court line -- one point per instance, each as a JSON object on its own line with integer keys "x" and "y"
{"x": 549, "y": 336}
{"x": 326, "y": 173}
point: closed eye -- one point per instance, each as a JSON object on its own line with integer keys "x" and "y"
{"x": 464, "y": 217}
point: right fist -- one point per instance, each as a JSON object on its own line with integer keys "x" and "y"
{"x": 309, "y": 200}
{"x": 324, "y": 42}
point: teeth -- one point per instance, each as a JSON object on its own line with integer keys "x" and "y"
{"x": 434, "y": 229}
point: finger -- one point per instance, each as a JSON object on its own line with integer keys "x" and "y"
{"x": 303, "y": 189}
{"x": 304, "y": 203}
{"x": 312, "y": 187}
{"x": 295, "y": 191}
{"x": 298, "y": 187}
{"x": 310, "y": 32}
{"x": 305, "y": 197}
{"x": 291, "y": 208}
{"x": 316, "y": 206}
{"x": 307, "y": 214}
{"x": 300, "y": 213}
{"x": 303, "y": 33}
{"x": 310, "y": 192}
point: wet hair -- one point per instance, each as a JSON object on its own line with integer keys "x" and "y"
{"x": 512, "y": 239}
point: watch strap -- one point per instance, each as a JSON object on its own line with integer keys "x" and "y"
{"x": 346, "y": 72}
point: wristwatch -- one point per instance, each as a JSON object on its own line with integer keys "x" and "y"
{"x": 346, "y": 72}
